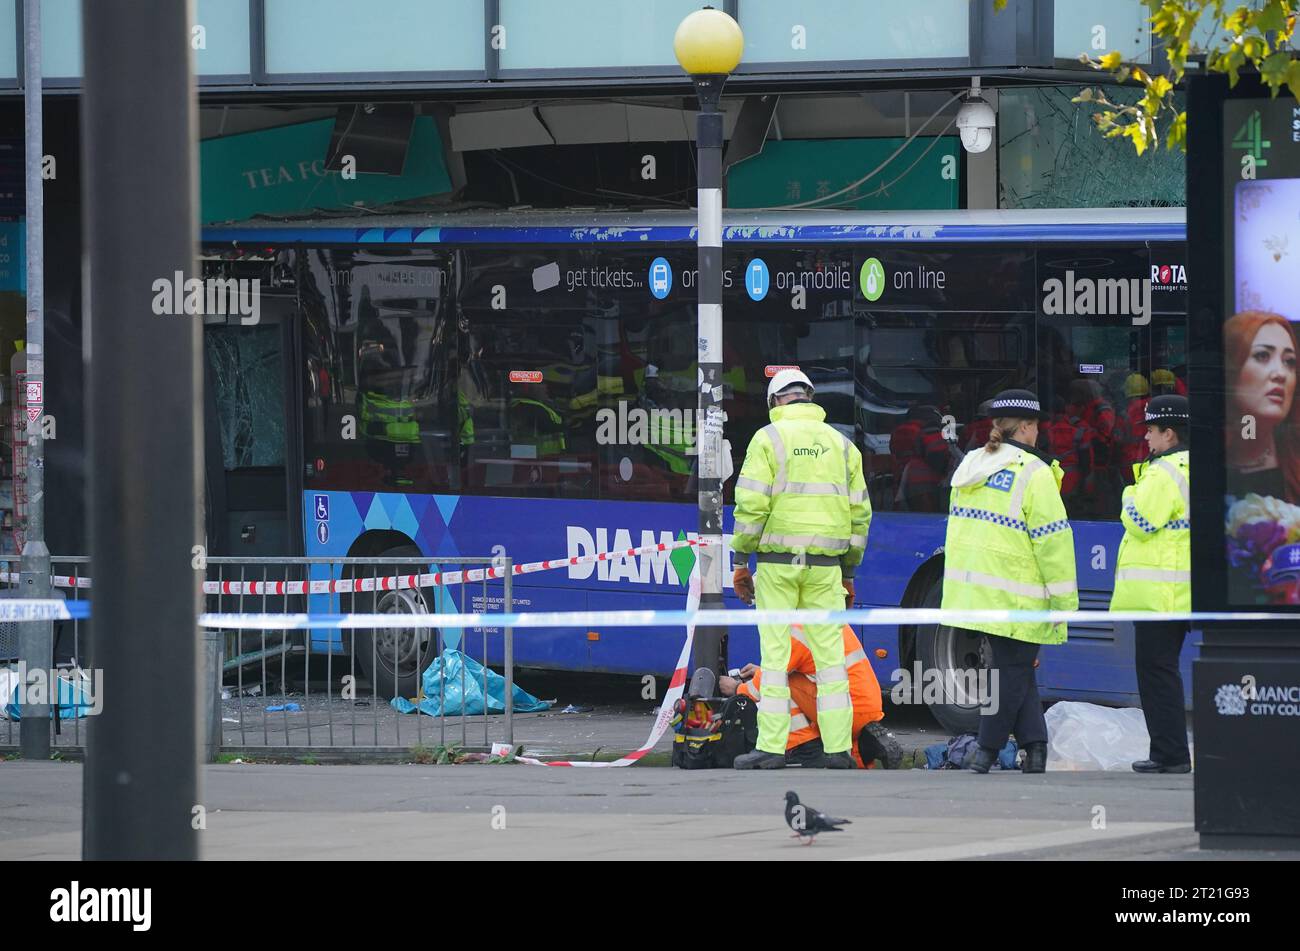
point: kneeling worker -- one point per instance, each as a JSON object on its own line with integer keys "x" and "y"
{"x": 871, "y": 740}
{"x": 801, "y": 504}
{"x": 1154, "y": 573}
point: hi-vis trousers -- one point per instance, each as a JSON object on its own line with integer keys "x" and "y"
{"x": 782, "y": 587}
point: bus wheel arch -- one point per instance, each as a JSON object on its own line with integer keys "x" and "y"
{"x": 942, "y": 649}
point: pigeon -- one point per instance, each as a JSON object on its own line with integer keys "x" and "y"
{"x": 807, "y": 821}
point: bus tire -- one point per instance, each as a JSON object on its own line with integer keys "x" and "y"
{"x": 395, "y": 658}
{"x": 942, "y": 649}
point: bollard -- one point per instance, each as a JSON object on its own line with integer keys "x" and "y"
{"x": 214, "y": 654}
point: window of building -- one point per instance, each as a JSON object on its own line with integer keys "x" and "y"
{"x": 1100, "y": 26}
{"x": 819, "y": 31}
{"x": 397, "y": 36}
{"x": 587, "y": 34}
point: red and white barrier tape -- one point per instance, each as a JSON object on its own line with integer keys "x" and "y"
{"x": 676, "y": 687}
{"x": 394, "y": 582}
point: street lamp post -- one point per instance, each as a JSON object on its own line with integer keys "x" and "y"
{"x": 708, "y": 45}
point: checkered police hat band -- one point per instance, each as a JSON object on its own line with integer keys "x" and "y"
{"x": 1016, "y": 404}
{"x": 1166, "y": 414}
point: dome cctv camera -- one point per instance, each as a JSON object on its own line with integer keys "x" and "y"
{"x": 976, "y": 121}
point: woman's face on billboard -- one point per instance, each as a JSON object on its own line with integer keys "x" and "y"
{"x": 1266, "y": 384}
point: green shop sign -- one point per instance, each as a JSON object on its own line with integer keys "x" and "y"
{"x": 793, "y": 171}
{"x": 282, "y": 171}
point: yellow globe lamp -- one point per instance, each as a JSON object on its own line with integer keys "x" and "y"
{"x": 708, "y": 43}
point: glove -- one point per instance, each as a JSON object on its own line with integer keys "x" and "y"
{"x": 849, "y": 593}
{"x": 743, "y": 582}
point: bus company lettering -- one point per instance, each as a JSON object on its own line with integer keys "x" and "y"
{"x": 654, "y": 568}
{"x": 642, "y": 427}
{"x": 240, "y": 297}
{"x": 1098, "y": 297}
{"x": 1168, "y": 277}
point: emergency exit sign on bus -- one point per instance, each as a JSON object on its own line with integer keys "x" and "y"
{"x": 776, "y": 368}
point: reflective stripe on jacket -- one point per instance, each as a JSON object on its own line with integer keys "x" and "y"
{"x": 864, "y": 689}
{"x": 801, "y": 489}
{"x": 1154, "y": 569}
{"x": 1009, "y": 544}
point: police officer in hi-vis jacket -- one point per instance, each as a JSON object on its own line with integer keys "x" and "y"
{"x": 1010, "y": 547}
{"x": 1154, "y": 573}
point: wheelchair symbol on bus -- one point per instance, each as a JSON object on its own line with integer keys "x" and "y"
{"x": 322, "y": 508}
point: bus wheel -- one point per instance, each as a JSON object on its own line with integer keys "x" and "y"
{"x": 394, "y": 658}
{"x": 950, "y": 657}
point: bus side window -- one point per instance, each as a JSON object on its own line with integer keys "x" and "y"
{"x": 527, "y": 381}
{"x": 922, "y": 382}
{"x": 646, "y": 394}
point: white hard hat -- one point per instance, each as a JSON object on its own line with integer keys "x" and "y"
{"x": 787, "y": 378}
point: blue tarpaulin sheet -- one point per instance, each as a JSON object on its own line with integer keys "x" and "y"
{"x": 74, "y": 702}
{"x": 443, "y": 692}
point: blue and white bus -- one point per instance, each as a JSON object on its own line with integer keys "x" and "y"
{"x": 438, "y": 387}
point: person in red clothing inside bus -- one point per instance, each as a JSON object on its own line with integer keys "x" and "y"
{"x": 921, "y": 487}
{"x": 1133, "y": 446}
{"x": 1070, "y": 441}
{"x": 905, "y": 443}
{"x": 804, "y": 747}
{"x": 976, "y": 433}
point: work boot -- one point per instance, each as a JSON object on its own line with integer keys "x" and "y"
{"x": 760, "y": 759}
{"x": 1035, "y": 758}
{"x": 888, "y": 750}
{"x": 838, "y": 761}
{"x": 981, "y": 760}
{"x": 1151, "y": 766}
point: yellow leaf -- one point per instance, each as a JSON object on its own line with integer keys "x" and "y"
{"x": 1112, "y": 60}
{"x": 1138, "y": 134}
{"x": 1178, "y": 132}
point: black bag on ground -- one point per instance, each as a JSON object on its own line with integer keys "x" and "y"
{"x": 736, "y": 733}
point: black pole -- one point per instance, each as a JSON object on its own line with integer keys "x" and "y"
{"x": 142, "y": 777}
{"x": 710, "y": 649}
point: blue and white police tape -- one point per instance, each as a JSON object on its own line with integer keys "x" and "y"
{"x": 46, "y": 609}
{"x": 712, "y": 618}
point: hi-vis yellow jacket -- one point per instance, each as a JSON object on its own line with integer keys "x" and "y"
{"x": 1154, "y": 568}
{"x": 1009, "y": 545}
{"x": 801, "y": 489}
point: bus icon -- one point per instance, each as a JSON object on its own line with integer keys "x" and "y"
{"x": 661, "y": 278}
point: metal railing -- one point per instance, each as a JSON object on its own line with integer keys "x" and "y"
{"x": 292, "y": 694}
{"x": 69, "y": 649}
